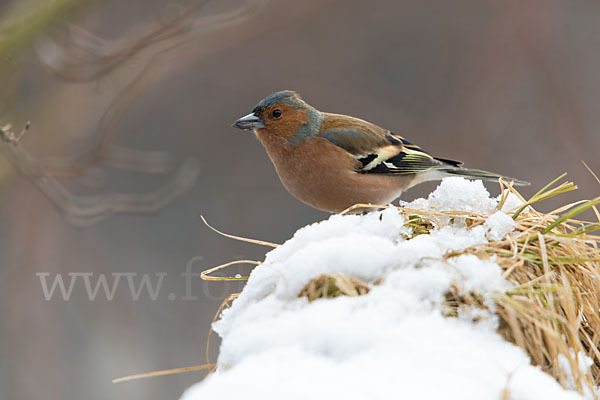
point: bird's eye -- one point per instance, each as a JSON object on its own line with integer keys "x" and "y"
{"x": 276, "y": 113}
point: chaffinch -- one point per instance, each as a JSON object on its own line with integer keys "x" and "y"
{"x": 332, "y": 161}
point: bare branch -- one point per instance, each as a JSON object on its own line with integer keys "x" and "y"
{"x": 8, "y": 136}
{"x": 80, "y": 56}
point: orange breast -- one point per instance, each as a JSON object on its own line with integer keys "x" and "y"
{"x": 323, "y": 176}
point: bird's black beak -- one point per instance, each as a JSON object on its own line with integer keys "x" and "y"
{"x": 249, "y": 122}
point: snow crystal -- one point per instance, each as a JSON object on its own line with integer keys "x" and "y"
{"x": 583, "y": 362}
{"x": 499, "y": 225}
{"x": 481, "y": 276}
{"x": 459, "y": 194}
{"x": 512, "y": 203}
{"x": 392, "y": 342}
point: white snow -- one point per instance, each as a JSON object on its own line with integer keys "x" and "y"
{"x": 584, "y": 363}
{"x": 499, "y": 224}
{"x": 393, "y": 342}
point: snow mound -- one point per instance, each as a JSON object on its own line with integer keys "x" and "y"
{"x": 392, "y": 342}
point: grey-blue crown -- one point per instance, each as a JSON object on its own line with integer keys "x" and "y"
{"x": 284, "y": 97}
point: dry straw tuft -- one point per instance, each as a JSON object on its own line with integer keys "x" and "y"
{"x": 553, "y": 263}
{"x": 553, "y": 309}
{"x": 334, "y": 285}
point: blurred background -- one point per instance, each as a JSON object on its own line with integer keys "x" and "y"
{"x": 130, "y": 142}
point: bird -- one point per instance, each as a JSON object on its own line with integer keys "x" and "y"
{"x": 332, "y": 161}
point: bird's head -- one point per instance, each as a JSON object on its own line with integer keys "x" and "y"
{"x": 285, "y": 115}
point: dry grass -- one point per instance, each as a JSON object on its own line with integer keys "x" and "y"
{"x": 553, "y": 309}
{"x": 552, "y": 262}
{"x": 334, "y": 285}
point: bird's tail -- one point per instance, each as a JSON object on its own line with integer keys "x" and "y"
{"x": 483, "y": 175}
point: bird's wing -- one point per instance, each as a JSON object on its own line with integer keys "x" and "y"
{"x": 381, "y": 151}
{"x": 409, "y": 159}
